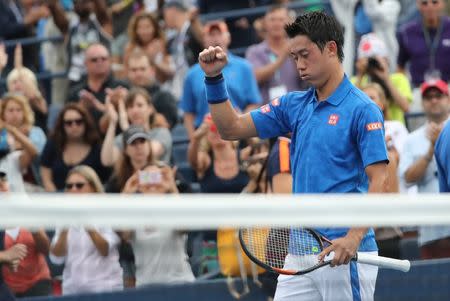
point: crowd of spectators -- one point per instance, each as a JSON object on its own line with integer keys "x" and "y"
{"x": 130, "y": 116}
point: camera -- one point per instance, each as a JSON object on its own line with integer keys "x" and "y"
{"x": 373, "y": 63}
{"x": 149, "y": 177}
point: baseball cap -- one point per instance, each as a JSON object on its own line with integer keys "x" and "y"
{"x": 370, "y": 46}
{"x": 218, "y": 24}
{"x": 133, "y": 133}
{"x": 437, "y": 84}
{"x": 178, "y": 4}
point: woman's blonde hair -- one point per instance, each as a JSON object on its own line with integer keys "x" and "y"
{"x": 90, "y": 175}
{"x": 19, "y": 72}
{"x": 28, "y": 115}
{"x": 380, "y": 92}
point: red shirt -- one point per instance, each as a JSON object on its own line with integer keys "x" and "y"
{"x": 32, "y": 268}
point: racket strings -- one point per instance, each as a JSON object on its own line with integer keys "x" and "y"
{"x": 272, "y": 246}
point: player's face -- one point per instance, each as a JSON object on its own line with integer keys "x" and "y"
{"x": 312, "y": 63}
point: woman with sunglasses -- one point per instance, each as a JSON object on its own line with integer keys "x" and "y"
{"x": 74, "y": 141}
{"x": 90, "y": 255}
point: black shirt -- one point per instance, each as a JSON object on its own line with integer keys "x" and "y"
{"x": 110, "y": 82}
{"x": 52, "y": 158}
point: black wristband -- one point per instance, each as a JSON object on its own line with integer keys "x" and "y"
{"x": 214, "y": 79}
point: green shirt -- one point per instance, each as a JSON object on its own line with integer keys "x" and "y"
{"x": 401, "y": 82}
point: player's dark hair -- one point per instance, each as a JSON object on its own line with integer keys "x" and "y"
{"x": 320, "y": 28}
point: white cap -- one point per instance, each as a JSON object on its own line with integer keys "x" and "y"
{"x": 370, "y": 46}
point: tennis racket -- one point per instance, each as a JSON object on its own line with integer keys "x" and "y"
{"x": 294, "y": 251}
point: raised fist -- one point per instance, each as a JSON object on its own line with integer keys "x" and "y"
{"x": 212, "y": 60}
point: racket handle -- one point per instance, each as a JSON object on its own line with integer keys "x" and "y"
{"x": 384, "y": 262}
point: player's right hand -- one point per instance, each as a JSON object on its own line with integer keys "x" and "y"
{"x": 212, "y": 60}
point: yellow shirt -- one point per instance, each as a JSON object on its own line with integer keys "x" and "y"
{"x": 401, "y": 82}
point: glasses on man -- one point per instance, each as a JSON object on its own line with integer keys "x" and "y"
{"x": 433, "y": 95}
{"x": 98, "y": 59}
{"x": 71, "y": 122}
{"x": 76, "y": 185}
{"x": 426, "y": 2}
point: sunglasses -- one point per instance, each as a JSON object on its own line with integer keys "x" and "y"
{"x": 431, "y": 96}
{"x": 70, "y": 122}
{"x": 77, "y": 185}
{"x": 3, "y": 177}
{"x": 425, "y": 2}
{"x": 97, "y": 59}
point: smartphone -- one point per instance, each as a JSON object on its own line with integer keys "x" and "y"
{"x": 150, "y": 177}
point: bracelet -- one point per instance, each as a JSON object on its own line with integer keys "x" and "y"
{"x": 216, "y": 90}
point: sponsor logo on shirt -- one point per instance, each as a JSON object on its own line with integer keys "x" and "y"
{"x": 275, "y": 102}
{"x": 265, "y": 109}
{"x": 374, "y": 126}
{"x": 333, "y": 119}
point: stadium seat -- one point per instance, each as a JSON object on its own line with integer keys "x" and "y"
{"x": 179, "y": 154}
{"x": 409, "y": 248}
{"x": 179, "y": 134}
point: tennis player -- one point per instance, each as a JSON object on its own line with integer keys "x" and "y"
{"x": 337, "y": 147}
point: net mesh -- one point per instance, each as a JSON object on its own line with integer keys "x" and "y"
{"x": 263, "y": 219}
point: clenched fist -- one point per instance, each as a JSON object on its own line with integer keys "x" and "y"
{"x": 212, "y": 60}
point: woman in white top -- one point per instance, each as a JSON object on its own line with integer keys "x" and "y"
{"x": 90, "y": 255}
{"x": 160, "y": 254}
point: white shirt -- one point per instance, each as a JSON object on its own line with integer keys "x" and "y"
{"x": 160, "y": 257}
{"x": 85, "y": 269}
{"x": 416, "y": 146}
{"x": 11, "y": 165}
{"x": 398, "y": 133}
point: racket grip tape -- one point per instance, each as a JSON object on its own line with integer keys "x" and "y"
{"x": 384, "y": 262}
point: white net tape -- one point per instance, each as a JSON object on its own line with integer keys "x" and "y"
{"x": 208, "y": 211}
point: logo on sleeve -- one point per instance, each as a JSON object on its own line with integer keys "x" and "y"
{"x": 275, "y": 102}
{"x": 333, "y": 119}
{"x": 374, "y": 126}
{"x": 265, "y": 109}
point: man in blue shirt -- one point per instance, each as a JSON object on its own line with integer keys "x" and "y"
{"x": 337, "y": 146}
{"x": 241, "y": 84}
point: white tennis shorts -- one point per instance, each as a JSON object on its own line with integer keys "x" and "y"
{"x": 350, "y": 282}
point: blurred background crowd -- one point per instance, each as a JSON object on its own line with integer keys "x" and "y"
{"x": 106, "y": 96}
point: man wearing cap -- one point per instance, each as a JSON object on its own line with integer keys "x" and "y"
{"x": 425, "y": 43}
{"x": 372, "y": 65}
{"x": 418, "y": 165}
{"x": 275, "y": 73}
{"x": 241, "y": 85}
{"x": 186, "y": 43}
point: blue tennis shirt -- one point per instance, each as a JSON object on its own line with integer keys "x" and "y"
{"x": 332, "y": 143}
{"x": 442, "y": 154}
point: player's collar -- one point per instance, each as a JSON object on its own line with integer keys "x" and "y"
{"x": 340, "y": 93}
